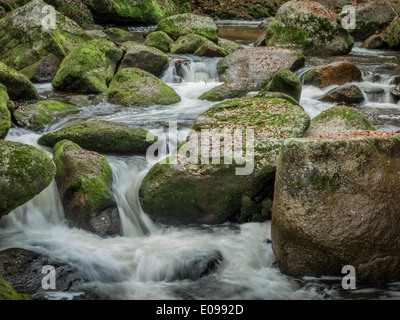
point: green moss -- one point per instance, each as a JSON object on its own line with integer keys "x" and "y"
{"x": 188, "y": 23}
{"x": 353, "y": 118}
{"x": 5, "y": 115}
{"x": 159, "y": 40}
{"x": 188, "y": 44}
{"x": 37, "y": 116}
{"x": 331, "y": 183}
{"x": 26, "y": 171}
{"x": 8, "y": 293}
{"x": 18, "y": 86}
{"x": 227, "y": 90}
{"x": 89, "y": 68}
{"x": 392, "y": 34}
{"x": 285, "y": 81}
{"x": 88, "y": 177}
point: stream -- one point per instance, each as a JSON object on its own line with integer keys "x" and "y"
{"x": 148, "y": 260}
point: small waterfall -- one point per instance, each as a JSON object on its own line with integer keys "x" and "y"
{"x": 189, "y": 69}
{"x": 128, "y": 176}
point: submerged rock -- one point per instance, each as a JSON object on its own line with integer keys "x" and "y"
{"x": 84, "y": 180}
{"x": 177, "y": 191}
{"x": 310, "y": 28}
{"x": 89, "y": 68}
{"x": 336, "y": 204}
{"x": 134, "y": 87}
{"x": 25, "y": 172}
{"x": 100, "y": 136}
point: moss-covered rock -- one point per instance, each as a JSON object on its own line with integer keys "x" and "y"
{"x": 159, "y": 40}
{"x": 251, "y": 69}
{"x": 392, "y": 34}
{"x": 38, "y": 116}
{"x": 229, "y": 45}
{"x": 100, "y": 136}
{"x": 84, "y": 179}
{"x": 285, "y": 81}
{"x": 212, "y": 50}
{"x": 89, "y": 68}
{"x": 25, "y": 172}
{"x": 188, "y": 43}
{"x": 336, "y": 204}
{"x": 335, "y": 73}
{"x": 339, "y": 119}
{"x": 18, "y": 86}
{"x": 310, "y": 28}
{"x": 5, "y": 115}
{"x": 24, "y": 40}
{"x": 140, "y": 56}
{"x": 177, "y": 191}
{"x": 139, "y": 12}
{"x": 118, "y": 34}
{"x": 135, "y": 87}
{"x": 227, "y": 90}
{"x": 7, "y": 293}
{"x": 183, "y": 24}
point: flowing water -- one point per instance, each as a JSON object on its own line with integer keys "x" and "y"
{"x": 155, "y": 262}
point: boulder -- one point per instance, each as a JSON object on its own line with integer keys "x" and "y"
{"x": 84, "y": 180}
{"x": 339, "y": 119}
{"x": 19, "y": 87}
{"x": 25, "y": 172}
{"x": 149, "y": 59}
{"x": 188, "y": 43}
{"x": 210, "y": 49}
{"x": 347, "y": 94}
{"x": 285, "y": 81}
{"x": 177, "y": 191}
{"x": 76, "y": 10}
{"x": 89, "y": 68}
{"x": 25, "y": 40}
{"x": 310, "y": 28}
{"x": 252, "y": 68}
{"x": 336, "y": 204}
{"x": 187, "y": 23}
{"x": 100, "y": 136}
{"x": 391, "y": 34}
{"x": 38, "y": 116}
{"x": 134, "y": 87}
{"x": 159, "y": 40}
{"x": 335, "y": 73}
